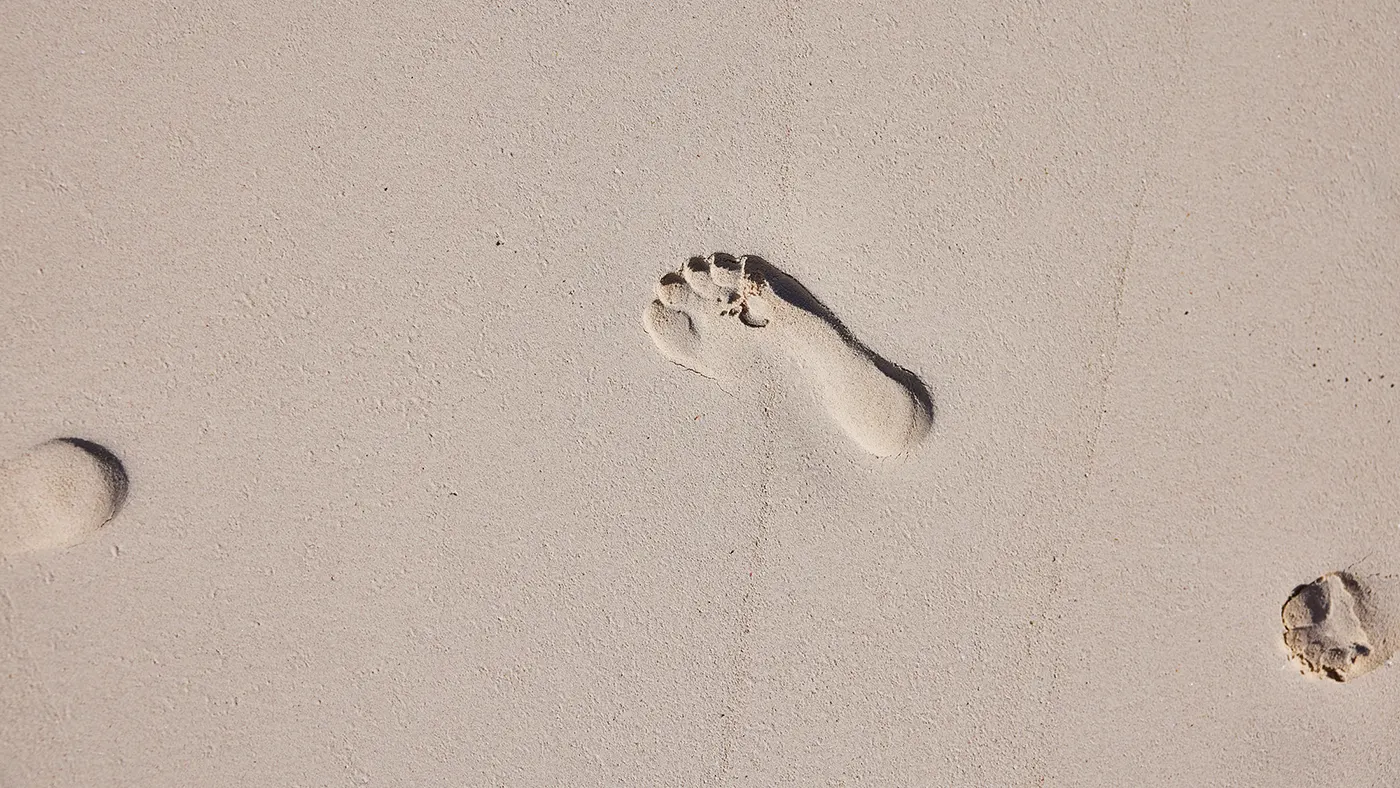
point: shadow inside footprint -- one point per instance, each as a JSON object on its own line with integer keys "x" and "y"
{"x": 111, "y": 466}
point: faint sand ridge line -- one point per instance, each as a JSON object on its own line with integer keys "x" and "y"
{"x": 741, "y": 674}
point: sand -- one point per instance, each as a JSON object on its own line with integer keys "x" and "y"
{"x": 354, "y": 294}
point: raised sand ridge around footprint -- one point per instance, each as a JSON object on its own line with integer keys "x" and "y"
{"x": 715, "y": 311}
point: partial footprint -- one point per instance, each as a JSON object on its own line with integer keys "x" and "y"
{"x": 714, "y": 311}
{"x": 1341, "y": 625}
{"x": 58, "y": 494}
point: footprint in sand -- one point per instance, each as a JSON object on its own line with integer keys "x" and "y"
{"x": 57, "y": 494}
{"x": 710, "y": 314}
{"x": 1342, "y": 625}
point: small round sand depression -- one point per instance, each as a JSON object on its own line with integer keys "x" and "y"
{"x": 58, "y": 494}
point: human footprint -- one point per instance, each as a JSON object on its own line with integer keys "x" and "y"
{"x": 1342, "y": 625}
{"x": 709, "y": 314}
{"x": 57, "y": 494}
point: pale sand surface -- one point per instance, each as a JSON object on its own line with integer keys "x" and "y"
{"x": 354, "y": 293}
